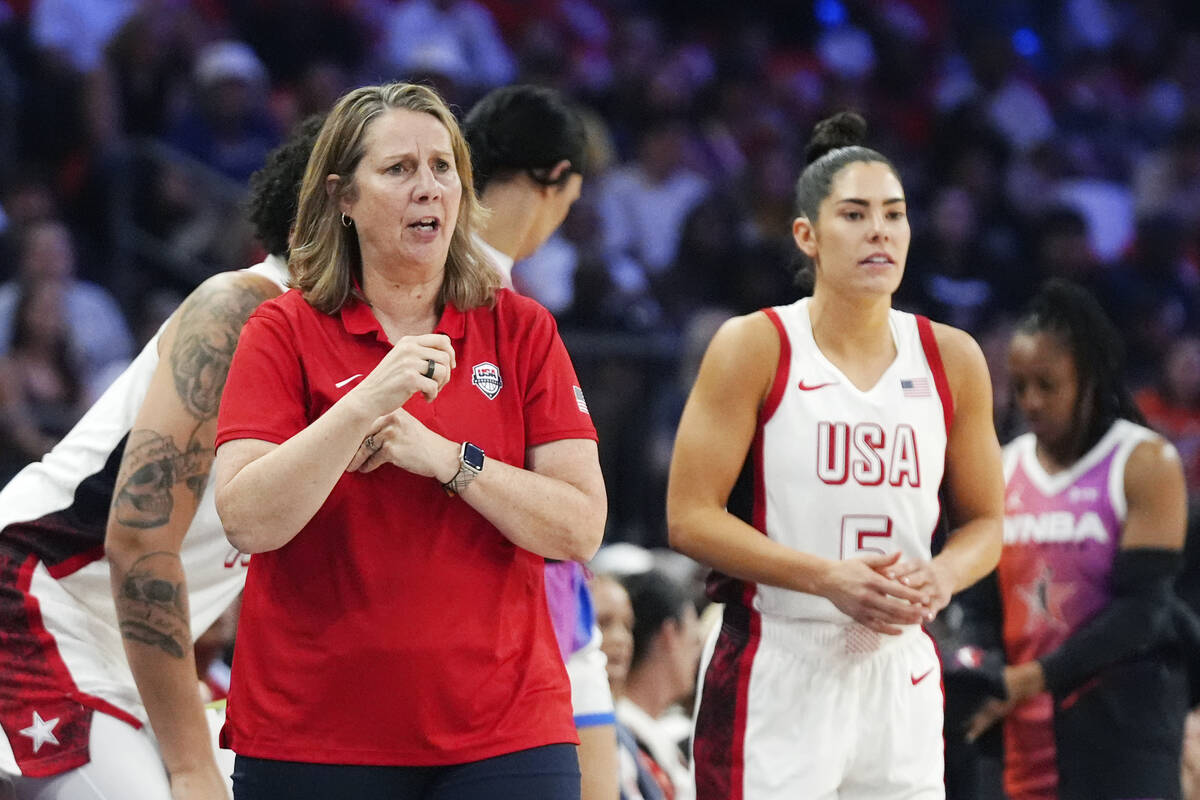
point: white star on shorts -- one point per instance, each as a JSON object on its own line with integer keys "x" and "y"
{"x": 41, "y": 731}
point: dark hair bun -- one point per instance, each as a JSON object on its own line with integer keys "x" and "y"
{"x": 843, "y": 129}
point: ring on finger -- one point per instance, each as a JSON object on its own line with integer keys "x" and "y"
{"x": 371, "y": 444}
{"x": 432, "y": 365}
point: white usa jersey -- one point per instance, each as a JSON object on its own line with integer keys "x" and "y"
{"x": 61, "y": 654}
{"x": 840, "y": 472}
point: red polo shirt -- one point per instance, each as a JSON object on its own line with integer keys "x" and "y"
{"x": 399, "y": 627}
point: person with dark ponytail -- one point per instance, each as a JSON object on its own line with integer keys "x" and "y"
{"x": 844, "y": 415}
{"x": 528, "y": 151}
{"x": 1096, "y": 511}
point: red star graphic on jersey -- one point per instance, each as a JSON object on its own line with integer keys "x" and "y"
{"x": 1044, "y": 600}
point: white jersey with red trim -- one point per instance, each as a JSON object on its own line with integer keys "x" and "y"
{"x": 61, "y": 653}
{"x": 839, "y": 471}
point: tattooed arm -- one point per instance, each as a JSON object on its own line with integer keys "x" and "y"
{"x": 161, "y": 481}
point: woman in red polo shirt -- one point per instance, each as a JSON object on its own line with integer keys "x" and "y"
{"x": 401, "y": 444}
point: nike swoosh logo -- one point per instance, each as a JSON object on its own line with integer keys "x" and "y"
{"x": 921, "y": 677}
{"x": 340, "y": 384}
{"x": 804, "y": 388}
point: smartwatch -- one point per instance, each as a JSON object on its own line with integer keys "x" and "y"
{"x": 470, "y": 464}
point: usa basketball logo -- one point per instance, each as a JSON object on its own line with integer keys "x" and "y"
{"x": 486, "y": 376}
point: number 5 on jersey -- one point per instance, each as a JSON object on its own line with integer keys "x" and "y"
{"x": 866, "y": 533}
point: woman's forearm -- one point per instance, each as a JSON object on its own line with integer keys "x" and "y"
{"x": 552, "y": 516}
{"x": 265, "y": 499}
{"x": 972, "y": 551}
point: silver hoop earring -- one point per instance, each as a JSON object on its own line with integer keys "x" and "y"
{"x": 346, "y": 221}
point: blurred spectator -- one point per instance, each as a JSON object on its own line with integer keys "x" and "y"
{"x": 26, "y": 198}
{"x": 317, "y": 89}
{"x": 455, "y": 38}
{"x": 645, "y": 204}
{"x": 614, "y": 615}
{"x": 1172, "y": 405}
{"x": 97, "y": 333}
{"x": 41, "y": 385}
{"x": 1167, "y": 181}
{"x": 228, "y": 129}
{"x": 77, "y": 31}
{"x": 1014, "y": 106}
{"x": 953, "y": 284}
{"x": 148, "y": 60}
{"x": 1061, "y": 249}
{"x": 716, "y": 264}
{"x": 1155, "y": 296}
{"x": 666, "y": 657}
{"x": 293, "y": 35}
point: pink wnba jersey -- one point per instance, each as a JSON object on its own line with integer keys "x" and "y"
{"x": 1061, "y": 534}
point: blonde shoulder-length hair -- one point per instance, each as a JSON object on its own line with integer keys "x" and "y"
{"x": 325, "y": 260}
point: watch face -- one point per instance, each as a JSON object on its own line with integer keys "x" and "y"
{"x": 472, "y": 456}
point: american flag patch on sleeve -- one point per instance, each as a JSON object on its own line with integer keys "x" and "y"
{"x": 915, "y": 387}
{"x": 579, "y": 401}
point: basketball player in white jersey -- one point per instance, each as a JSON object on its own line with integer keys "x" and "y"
{"x": 846, "y": 414}
{"x": 122, "y": 509}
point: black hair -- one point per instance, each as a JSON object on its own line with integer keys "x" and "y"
{"x": 1071, "y": 313}
{"x": 656, "y": 597}
{"x": 275, "y": 188}
{"x": 836, "y": 142}
{"x": 526, "y": 129}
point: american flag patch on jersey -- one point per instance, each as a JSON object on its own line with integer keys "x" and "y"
{"x": 915, "y": 387}
{"x": 579, "y": 401}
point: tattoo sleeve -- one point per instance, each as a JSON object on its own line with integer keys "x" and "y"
{"x": 153, "y": 466}
{"x": 152, "y": 604}
{"x": 209, "y": 325}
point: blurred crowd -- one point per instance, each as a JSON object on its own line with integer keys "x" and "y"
{"x": 1034, "y": 139}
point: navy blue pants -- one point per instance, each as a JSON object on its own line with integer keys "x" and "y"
{"x": 541, "y": 773}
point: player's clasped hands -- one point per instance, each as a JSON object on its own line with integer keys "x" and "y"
{"x": 861, "y": 588}
{"x": 926, "y": 578}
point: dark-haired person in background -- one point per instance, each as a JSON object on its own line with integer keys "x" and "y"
{"x": 662, "y": 672}
{"x": 527, "y": 150}
{"x": 123, "y": 509}
{"x": 42, "y": 392}
{"x": 614, "y": 617}
{"x": 847, "y": 414}
{"x": 1095, "y": 514}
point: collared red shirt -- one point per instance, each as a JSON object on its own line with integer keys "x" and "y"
{"x": 399, "y": 626}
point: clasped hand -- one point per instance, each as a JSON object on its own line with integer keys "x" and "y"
{"x": 415, "y": 364}
{"x": 882, "y": 593}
